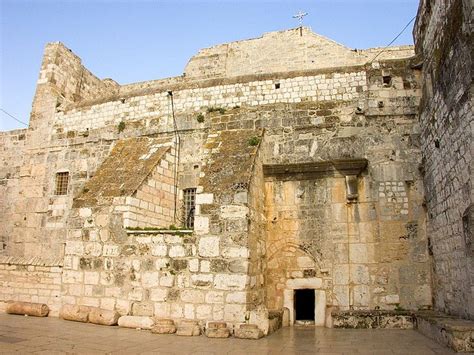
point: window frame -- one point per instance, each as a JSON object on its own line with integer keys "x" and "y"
{"x": 189, "y": 207}
{"x": 61, "y": 183}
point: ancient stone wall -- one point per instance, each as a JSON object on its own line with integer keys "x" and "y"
{"x": 31, "y": 280}
{"x": 274, "y": 52}
{"x": 232, "y": 138}
{"x": 443, "y": 36}
{"x": 12, "y": 145}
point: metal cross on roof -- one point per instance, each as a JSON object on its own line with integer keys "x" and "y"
{"x": 300, "y": 16}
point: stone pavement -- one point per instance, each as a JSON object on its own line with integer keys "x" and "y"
{"x": 54, "y": 336}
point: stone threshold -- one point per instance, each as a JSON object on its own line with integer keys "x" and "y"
{"x": 451, "y": 331}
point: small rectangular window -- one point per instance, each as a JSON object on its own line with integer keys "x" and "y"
{"x": 62, "y": 180}
{"x": 189, "y": 197}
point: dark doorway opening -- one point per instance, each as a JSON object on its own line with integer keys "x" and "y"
{"x": 304, "y": 305}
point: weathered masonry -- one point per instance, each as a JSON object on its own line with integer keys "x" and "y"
{"x": 277, "y": 176}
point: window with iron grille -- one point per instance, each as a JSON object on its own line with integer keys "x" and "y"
{"x": 62, "y": 180}
{"x": 189, "y": 197}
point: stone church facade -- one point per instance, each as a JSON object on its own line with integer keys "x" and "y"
{"x": 277, "y": 171}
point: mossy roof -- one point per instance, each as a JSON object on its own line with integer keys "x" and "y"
{"x": 129, "y": 164}
{"x": 231, "y": 159}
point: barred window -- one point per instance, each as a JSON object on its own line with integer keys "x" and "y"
{"x": 189, "y": 197}
{"x": 62, "y": 180}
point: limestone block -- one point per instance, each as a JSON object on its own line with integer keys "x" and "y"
{"x": 136, "y": 322}
{"x": 341, "y": 274}
{"x": 230, "y": 282}
{"x": 358, "y": 253}
{"x": 203, "y": 311}
{"x": 202, "y": 280}
{"x": 390, "y": 299}
{"x": 241, "y": 197}
{"x": 361, "y": 295}
{"x": 359, "y": 274}
{"x": 201, "y": 225}
{"x": 158, "y": 294}
{"x": 103, "y": 317}
{"x": 248, "y": 331}
{"x": 188, "y": 328}
{"x": 236, "y": 297}
{"x": 159, "y": 250}
{"x": 28, "y": 308}
{"x": 215, "y": 297}
{"x": 202, "y": 199}
{"x": 217, "y": 330}
{"x": 85, "y": 212}
{"x": 208, "y": 246}
{"x": 235, "y": 252}
{"x": 260, "y": 317}
{"x": 150, "y": 279}
{"x": 75, "y": 313}
{"x": 194, "y": 265}
{"x": 192, "y": 296}
{"x": 177, "y": 251}
{"x": 164, "y": 326}
{"x": 234, "y": 211}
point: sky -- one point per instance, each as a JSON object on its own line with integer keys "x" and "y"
{"x": 132, "y": 41}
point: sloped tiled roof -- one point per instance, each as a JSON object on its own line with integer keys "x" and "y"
{"x": 123, "y": 171}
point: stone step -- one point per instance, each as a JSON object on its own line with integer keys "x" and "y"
{"x": 248, "y": 331}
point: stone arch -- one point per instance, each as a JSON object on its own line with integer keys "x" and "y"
{"x": 287, "y": 261}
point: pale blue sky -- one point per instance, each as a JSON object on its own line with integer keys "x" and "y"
{"x": 132, "y": 41}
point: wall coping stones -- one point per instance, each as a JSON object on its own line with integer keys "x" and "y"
{"x": 309, "y": 170}
{"x": 160, "y": 231}
{"x": 35, "y": 261}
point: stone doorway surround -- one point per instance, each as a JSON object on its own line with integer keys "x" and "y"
{"x": 314, "y": 283}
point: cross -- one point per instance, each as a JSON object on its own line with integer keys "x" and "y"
{"x": 300, "y": 16}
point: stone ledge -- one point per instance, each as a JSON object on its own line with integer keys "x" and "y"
{"x": 34, "y": 261}
{"x": 453, "y": 332}
{"x": 373, "y": 319}
{"x": 159, "y": 231}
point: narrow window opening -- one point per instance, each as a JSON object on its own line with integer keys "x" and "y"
{"x": 277, "y": 85}
{"x": 387, "y": 80}
{"x": 62, "y": 180}
{"x": 189, "y": 197}
{"x": 467, "y": 224}
{"x": 304, "y": 305}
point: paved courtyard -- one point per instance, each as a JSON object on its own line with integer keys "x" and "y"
{"x": 55, "y": 336}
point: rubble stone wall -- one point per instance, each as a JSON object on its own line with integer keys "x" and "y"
{"x": 443, "y": 36}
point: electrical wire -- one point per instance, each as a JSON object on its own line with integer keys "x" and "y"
{"x": 388, "y": 45}
{"x": 16, "y": 119}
